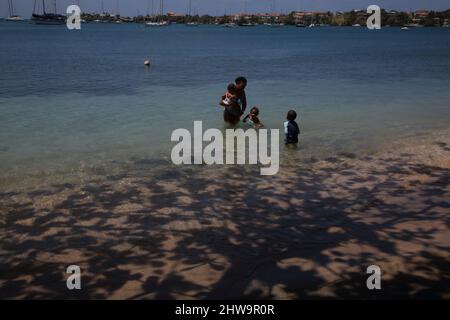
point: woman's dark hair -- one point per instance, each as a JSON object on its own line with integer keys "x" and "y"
{"x": 241, "y": 79}
{"x": 291, "y": 115}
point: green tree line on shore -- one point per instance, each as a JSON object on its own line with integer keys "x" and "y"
{"x": 391, "y": 18}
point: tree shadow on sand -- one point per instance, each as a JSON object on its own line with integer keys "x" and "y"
{"x": 229, "y": 233}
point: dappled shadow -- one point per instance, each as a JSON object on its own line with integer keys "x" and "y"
{"x": 227, "y": 232}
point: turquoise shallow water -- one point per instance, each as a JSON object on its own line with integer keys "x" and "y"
{"x": 75, "y": 99}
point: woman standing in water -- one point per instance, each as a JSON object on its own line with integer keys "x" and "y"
{"x": 234, "y": 101}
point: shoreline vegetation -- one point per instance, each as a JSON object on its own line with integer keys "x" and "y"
{"x": 351, "y": 18}
{"x": 422, "y": 18}
{"x": 309, "y": 232}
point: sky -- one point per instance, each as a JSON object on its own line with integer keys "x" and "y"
{"x": 219, "y": 7}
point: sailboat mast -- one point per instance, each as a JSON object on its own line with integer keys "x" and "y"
{"x": 190, "y": 7}
{"x": 43, "y": 6}
{"x": 10, "y": 7}
{"x": 162, "y": 7}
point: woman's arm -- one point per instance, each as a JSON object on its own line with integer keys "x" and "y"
{"x": 243, "y": 101}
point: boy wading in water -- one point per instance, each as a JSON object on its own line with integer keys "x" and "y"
{"x": 291, "y": 128}
{"x": 234, "y": 101}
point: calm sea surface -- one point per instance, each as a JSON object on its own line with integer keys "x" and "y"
{"x": 76, "y": 99}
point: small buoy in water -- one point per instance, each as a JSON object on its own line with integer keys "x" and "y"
{"x": 147, "y": 63}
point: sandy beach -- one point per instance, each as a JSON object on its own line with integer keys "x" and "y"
{"x": 224, "y": 233}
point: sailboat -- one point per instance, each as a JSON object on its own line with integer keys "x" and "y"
{"x": 276, "y": 23}
{"x": 47, "y": 18}
{"x": 300, "y": 23}
{"x": 157, "y": 24}
{"x": 229, "y": 25}
{"x": 191, "y": 23}
{"x": 247, "y": 24}
{"x": 118, "y": 20}
{"x": 12, "y": 15}
{"x": 161, "y": 23}
{"x": 313, "y": 23}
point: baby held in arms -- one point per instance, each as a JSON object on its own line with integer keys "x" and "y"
{"x": 231, "y": 104}
{"x": 230, "y": 98}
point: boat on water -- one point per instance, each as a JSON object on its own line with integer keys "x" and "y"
{"x": 159, "y": 21}
{"x": 14, "y": 18}
{"x": 275, "y": 20}
{"x": 300, "y": 23}
{"x": 276, "y": 25}
{"x": 157, "y": 24}
{"x": 356, "y": 25}
{"x": 413, "y": 25}
{"x": 12, "y": 15}
{"x": 46, "y": 18}
{"x": 191, "y": 23}
{"x": 405, "y": 28}
{"x": 248, "y": 24}
{"x": 314, "y": 23}
{"x": 230, "y": 25}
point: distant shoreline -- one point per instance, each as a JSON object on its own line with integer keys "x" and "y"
{"x": 394, "y": 18}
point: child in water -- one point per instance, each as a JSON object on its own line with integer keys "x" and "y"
{"x": 291, "y": 128}
{"x": 252, "y": 118}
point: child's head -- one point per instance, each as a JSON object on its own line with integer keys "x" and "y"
{"x": 254, "y": 111}
{"x": 232, "y": 88}
{"x": 291, "y": 115}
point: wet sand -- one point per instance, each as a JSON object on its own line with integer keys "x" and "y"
{"x": 309, "y": 232}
